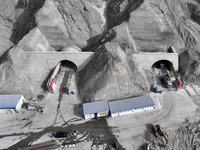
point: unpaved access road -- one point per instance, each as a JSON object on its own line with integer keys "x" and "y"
{"x": 175, "y": 108}
{"x": 63, "y": 112}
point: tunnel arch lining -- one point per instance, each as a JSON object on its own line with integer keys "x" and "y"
{"x": 146, "y": 60}
{"x": 69, "y": 64}
{"x": 166, "y": 62}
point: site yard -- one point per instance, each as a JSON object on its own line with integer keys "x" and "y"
{"x": 159, "y": 80}
{"x": 64, "y": 112}
{"x": 134, "y": 64}
{"x": 165, "y": 77}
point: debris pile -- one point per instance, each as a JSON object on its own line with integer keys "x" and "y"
{"x": 33, "y": 107}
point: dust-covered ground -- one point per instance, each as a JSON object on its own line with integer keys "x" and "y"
{"x": 113, "y": 30}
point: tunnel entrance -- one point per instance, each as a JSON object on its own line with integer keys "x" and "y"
{"x": 66, "y": 71}
{"x": 68, "y": 64}
{"x": 165, "y": 76}
{"x": 69, "y": 80}
{"x": 162, "y": 64}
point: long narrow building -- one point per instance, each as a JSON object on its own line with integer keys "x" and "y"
{"x": 95, "y": 109}
{"x": 130, "y": 105}
{"x": 118, "y": 107}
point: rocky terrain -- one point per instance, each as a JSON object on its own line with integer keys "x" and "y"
{"x": 113, "y": 30}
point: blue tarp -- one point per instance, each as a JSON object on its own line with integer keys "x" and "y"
{"x": 95, "y": 107}
{"x": 9, "y": 101}
{"x": 130, "y": 104}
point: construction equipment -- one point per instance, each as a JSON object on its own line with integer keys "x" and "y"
{"x": 171, "y": 76}
{"x": 51, "y": 81}
{"x": 167, "y": 81}
{"x": 33, "y": 107}
{"x": 178, "y": 80}
{"x": 159, "y": 132}
{"x": 166, "y": 76}
{"x": 148, "y": 146}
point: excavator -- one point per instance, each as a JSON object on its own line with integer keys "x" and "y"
{"x": 158, "y": 130}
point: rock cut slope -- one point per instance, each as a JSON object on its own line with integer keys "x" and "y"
{"x": 113, "y": 30}
{"x": 70, "y": 22}
{"x": 131, "y": 26}
{"x": 115, "y": 77}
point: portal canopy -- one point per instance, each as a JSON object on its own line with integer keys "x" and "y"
{"x": 50, "y": 59}
{"x": 69, "y": 64}
{"x": 159, "y": 64}
{"x": 146, "y": 60}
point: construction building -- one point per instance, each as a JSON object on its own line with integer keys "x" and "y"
{"x": 95, "y": 109}
{"x": 118, "y": 107}
{"x": 130, "y": 105}
{"x": 11, "y": 103}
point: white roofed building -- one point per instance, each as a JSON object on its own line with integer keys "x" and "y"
{"x": 95, "y": 109}
{"x": 130, "y": 105}
{"x": 118, "y": 107}
{"x": 11, "y": 103}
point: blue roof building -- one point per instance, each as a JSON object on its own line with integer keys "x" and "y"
{"x": 13, "y": 102}
{"x": 95, "y": 109}
{"x": 130, "y": 105}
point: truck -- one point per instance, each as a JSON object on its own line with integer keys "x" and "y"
{"x": 166, "y": 76}
{"x": 171, "y": 76}
{"x": 167, "y": 81}
{"x": 178, "y": 79}
{"x": 51, "y": 82}
{"x": 179, "y": 82}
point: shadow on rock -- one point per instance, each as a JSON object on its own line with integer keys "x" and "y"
{"x": 99, "y": 40}
{"x": 143, "y": 147}
{"x": 26, "y": 21}
{"x": 78, "y": 110}
{"x": 149, "y": 127}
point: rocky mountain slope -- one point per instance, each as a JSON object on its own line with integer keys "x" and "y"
{"x": 102, "y": 26}
{"x": 112, "y": 29}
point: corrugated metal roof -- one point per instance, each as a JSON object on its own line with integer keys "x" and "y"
{"x": 9, "y": 101}
{"x": 95, "y": 107}
{"x": 130, "y": 103}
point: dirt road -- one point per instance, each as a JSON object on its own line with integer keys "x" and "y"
{"x": 175, "y": 108}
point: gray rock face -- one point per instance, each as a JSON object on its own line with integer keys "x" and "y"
{"x": 114, "y": 30}
{"x": 119, "y": 11}
{"x": 115, "y": 77}
{"x": 34, "y": 41}
{"x": 190, "y": 59}
{"x": 148, "y": 30}
{"x": 6, "y": 24}
{"x": 69, "y": 22}
{"x": 5, "y": 31}
{"x": 131, "y": 26}
{"x": 21, "y": 76}
{"x": 17, "y": 19}
{"x": 23, "y": 17}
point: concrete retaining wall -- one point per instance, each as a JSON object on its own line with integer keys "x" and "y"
{"x": 146, "y": 60}
{"x": 50, "y": 59}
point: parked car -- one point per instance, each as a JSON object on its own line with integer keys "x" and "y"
{"x": 60, "y": 134}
